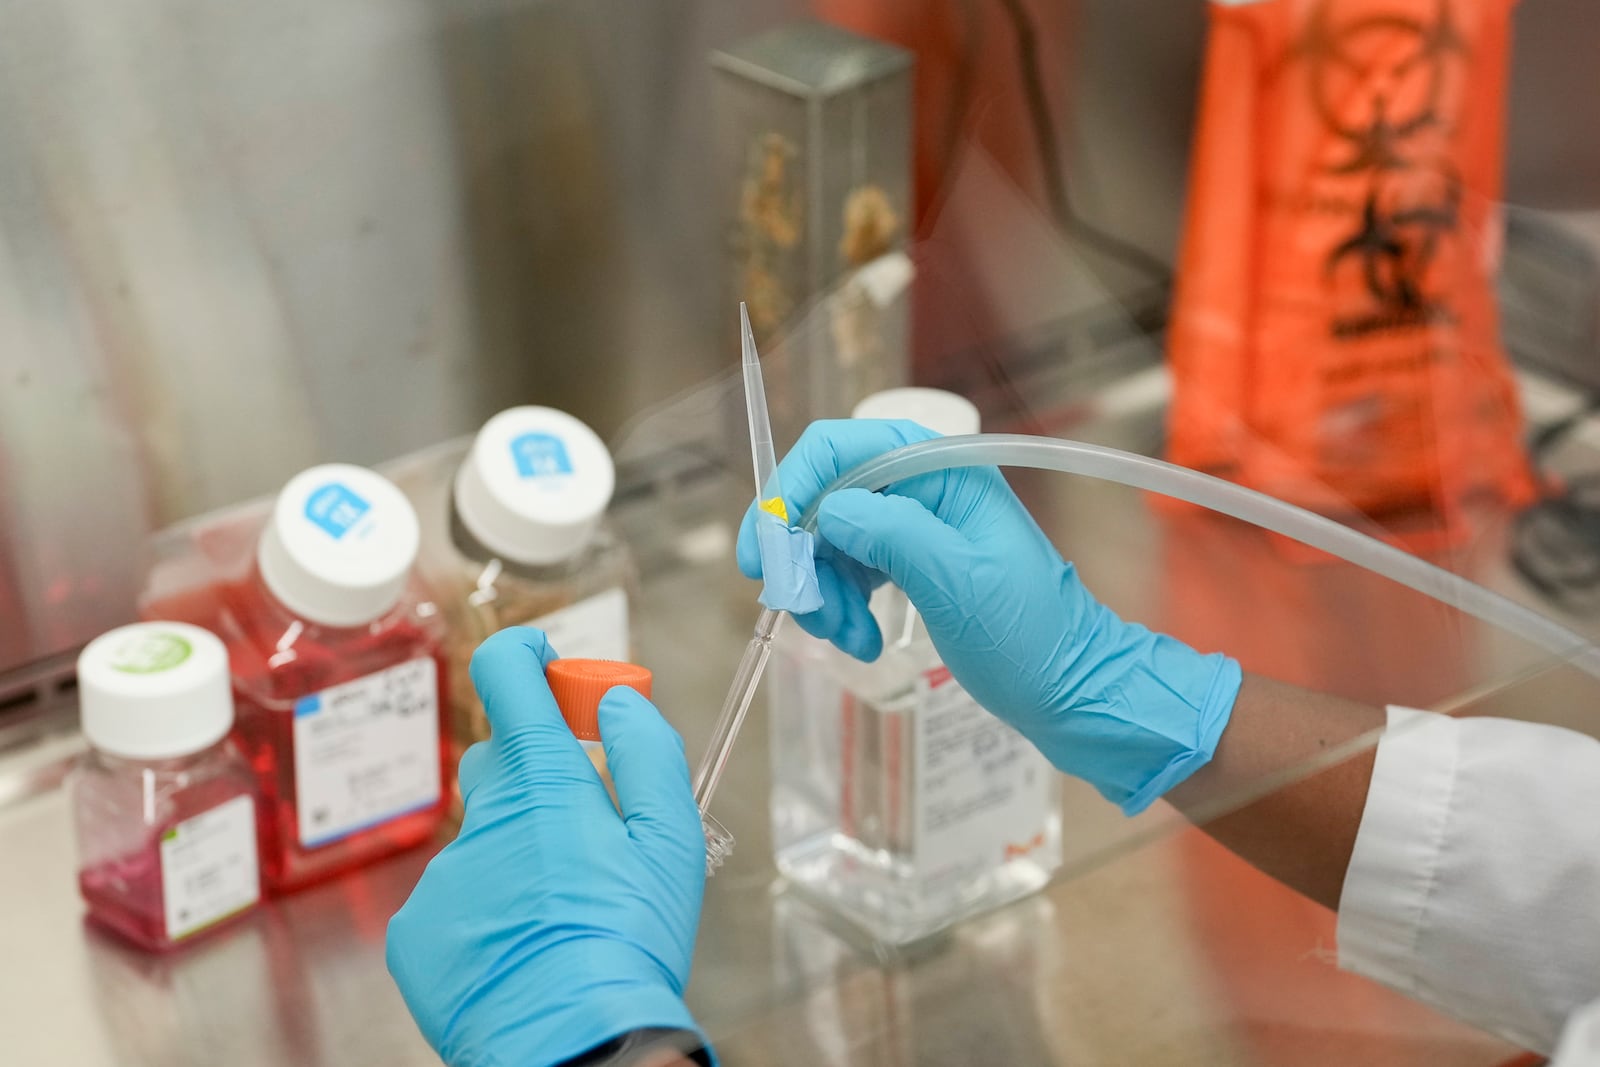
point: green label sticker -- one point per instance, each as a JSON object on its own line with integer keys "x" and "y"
{"x": 150, "y": 653}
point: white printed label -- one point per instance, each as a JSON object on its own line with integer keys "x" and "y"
{"x": 595, "y": 628}
{"x": 983, "y": 792}
{"x": 208, "y": 867}
{"x": 366, "y": 751}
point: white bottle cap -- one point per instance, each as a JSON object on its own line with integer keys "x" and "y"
{"x": 946, "y": 414}
{"x": 155, "y": 690}
{"x": 535, "y": 485}
{"x": 339, "y": 545}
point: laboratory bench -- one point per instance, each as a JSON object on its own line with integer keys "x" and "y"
{"x": 1153, "y": 946}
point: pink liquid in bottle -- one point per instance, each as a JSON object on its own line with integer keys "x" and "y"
{"x": 126, "y": 893}
{"x": 281, "y": 664}
{"x": 166, "y": 810}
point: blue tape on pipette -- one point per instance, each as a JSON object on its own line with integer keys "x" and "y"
{"x": 788, "y": 567}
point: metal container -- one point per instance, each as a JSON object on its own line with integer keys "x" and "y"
{"x": 814, "y": 150}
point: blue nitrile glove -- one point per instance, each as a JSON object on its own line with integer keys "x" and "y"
{"x": 552, "y": 924}
{"x": 1130, "y": 711}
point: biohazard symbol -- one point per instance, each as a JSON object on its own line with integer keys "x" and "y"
{"x": 1380, "y": 79}
{"x": 1388, "y": 86}
{"x": 1404, "y": 219}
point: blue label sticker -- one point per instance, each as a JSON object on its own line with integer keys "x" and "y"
{"x": 540, "y": 455}
{"x": 308, "y": 705}
{"x": 336, "y": 508}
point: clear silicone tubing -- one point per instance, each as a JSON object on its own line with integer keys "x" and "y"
{"x": 1153, "y": 475}
{"x": 1180, "y": 483}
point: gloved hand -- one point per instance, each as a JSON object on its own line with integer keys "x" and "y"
{"x": 551, "y": 924}
{"x": 1130, "y": 711}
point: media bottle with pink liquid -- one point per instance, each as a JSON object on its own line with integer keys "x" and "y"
{"x": 339, "y": 676}
{"x": 166, "y": 810}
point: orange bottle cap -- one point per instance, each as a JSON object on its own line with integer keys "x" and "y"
{"x": 578, "y": 685}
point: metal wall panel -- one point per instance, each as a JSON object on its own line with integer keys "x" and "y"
{"x": 237, "y": 239}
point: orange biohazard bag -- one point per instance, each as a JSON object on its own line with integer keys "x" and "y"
{"x": 1334, "y": 339}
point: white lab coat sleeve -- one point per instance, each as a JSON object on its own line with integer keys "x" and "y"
{"x": 1580, "y": 1044}
{"x": 1474, "y": 885}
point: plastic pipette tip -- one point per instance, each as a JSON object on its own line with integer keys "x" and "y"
{"x": 719, "y": 842}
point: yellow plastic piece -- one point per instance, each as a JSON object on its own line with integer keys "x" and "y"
{"x": 775, "y": 506}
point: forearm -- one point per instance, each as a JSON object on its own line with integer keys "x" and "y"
{"x": 1302, "y": 832}
{"x": 651, "y": 1047}
{"x": 665, "y": 1059}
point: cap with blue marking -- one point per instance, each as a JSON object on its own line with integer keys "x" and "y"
{"x": 535, "y": 485}
{"x": 339, "y": 546}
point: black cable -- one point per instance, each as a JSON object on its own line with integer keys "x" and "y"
{"x": 1555, "y": 542}
{"x": 1068, "y": 221}
{"x": 960, "y": 100}
{"x": 1071, "y": 224}
{"x": 961, "y": 91}
{"x": 1546, "y": 439}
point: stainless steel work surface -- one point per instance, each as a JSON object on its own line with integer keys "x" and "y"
{"x": 1156, "y": 948}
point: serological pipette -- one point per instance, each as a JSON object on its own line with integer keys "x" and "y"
{"x": 747, "y": 678}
